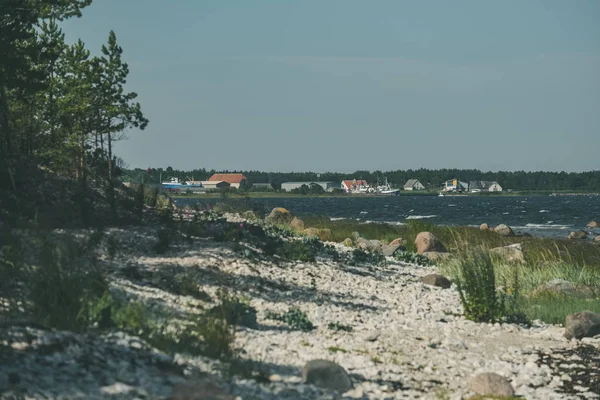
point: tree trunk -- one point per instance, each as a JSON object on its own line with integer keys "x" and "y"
{"x": 111, "y": 187}
{"x": 5, "y": 139}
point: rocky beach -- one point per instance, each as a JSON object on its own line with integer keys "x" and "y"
{"x": 364, "y": 328}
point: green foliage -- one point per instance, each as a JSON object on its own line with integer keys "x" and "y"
{"x": 482, "y": 302}
{"x": 184, "y": 284}
{"x": 63, "y": 286}
{"x": 296, "y": 250}
{"x": 294, "y": 317}
{"x": 163, "y": 241}
{"x": 337, "y": 326}
{"x": 234, "y": 310}
{"x": 360, "y": 256}
{"x": 411, "y": 257}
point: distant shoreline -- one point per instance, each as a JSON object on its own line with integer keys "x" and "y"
{"x": 346, "y": 195}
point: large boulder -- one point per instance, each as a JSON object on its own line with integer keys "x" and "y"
{"x": 426, "y": 242}
{"x": 436, "y": 280}
{"x": 561, "y": 287}
{"x": 597, "y": 238}
{"x": 279, "y": 216}
{"x": 593, "y": 224}
{"x": 484, "y": 227}
{"x": 491, "y": 384}
{"x": 512, "y": 253}
{"x": 327, "y": 374}
{"x": 297, "y": 224}
{"x": 504, "y": 230}
{"x": 369, "y": 245}
{"x": 578, "y": 235}
{"x": 582, "y": 324}
{"x": 355, "y": 235}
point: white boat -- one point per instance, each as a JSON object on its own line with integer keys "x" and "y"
{"x": 387, "y": 189}
{"x": 441, "y": 194}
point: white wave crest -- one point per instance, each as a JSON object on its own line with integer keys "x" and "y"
{"x": 420, "y": 216}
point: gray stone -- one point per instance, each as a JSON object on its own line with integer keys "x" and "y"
{"x": 426, "y": 242}
{"x": 578, "y": 235}
{"x": 355, "y": 236}
{"x": 504, "y": 230}
{"x": 389, "y": 249}
{"x": 436, "y": 280}
{"x": 489, "y": 383}
{"x": 512, "y": 253}
{"x": 582, "y": 324}
{"x": 327, "y": 374}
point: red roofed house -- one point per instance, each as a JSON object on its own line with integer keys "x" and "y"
{"x": 235, "y": 180}
{"x": 353, "y": 185}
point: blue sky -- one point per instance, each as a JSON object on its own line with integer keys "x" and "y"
{"x": 341, "y": 85}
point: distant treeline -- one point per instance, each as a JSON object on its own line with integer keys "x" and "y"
{"x": 432, "y": 179}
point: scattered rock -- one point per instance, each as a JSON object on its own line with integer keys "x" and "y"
{"x": 280, "y": 215}
{"x": 203, "y": 390}
{"x": 597, "y": 238}
{"x": 512, "y": 253}
{"x": 327, "y": 374}
{"x": 484, "y": 227}
{"x": 398, "y": 242}
{"x": 489, "y": 383}
{"x": 249, "y": 215}
{"x": 297, "y": 224}
{"x": 372, "y": 337}
{"x": 347, "y": 242}
{"x": 355, "y": 236}
{"x": 578, "y": 235}
{"x": 389, "y": 250}
{"x": 436, "y": 280}
{"x": 565, "y": 288}
{"x": 436, "y": 256}
{"x": 504, "y": 230}
{"x": 426, "y": 242}
{"x": 593, "y": 224}
{"x": 582, "y": 324}
{"x": 366, "y": 244}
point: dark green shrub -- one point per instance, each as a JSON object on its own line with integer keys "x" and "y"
{"x": 296, "y": 250}
{"x": 294, "y": 317}
{"x": 64, "y": 285}
{"x": 337, "y": 326}
{"x": 234, "y": 310}
{"x": 414, "y": 258}
{"x": 163, "y": 241}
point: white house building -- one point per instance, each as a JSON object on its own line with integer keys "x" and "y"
{"x": 413, "y": 184}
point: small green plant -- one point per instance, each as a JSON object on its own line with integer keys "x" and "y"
{"x": 294, "y": 317}
{"x": 185, "y": 284}
{"x": 337, "y": 326}
{"x": 111, "y": 246}
{"x": 163, "y": 241}
{"x": 234, "y": 310}
{"x": 297, "y": 250}
{"x": 336, "y": 349}
{"x": 360, "y": 256}
{"x": 376, "y": 360}
{"x": 413, "y": 258}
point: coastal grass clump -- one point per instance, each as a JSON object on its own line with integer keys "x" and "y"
{"x": 338, "y": 326}
{"x": 412, "y": 257}
{"x": 294, "y": 317}
{"x": 235, "y": 310}
{"x": 482, "y": 298}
